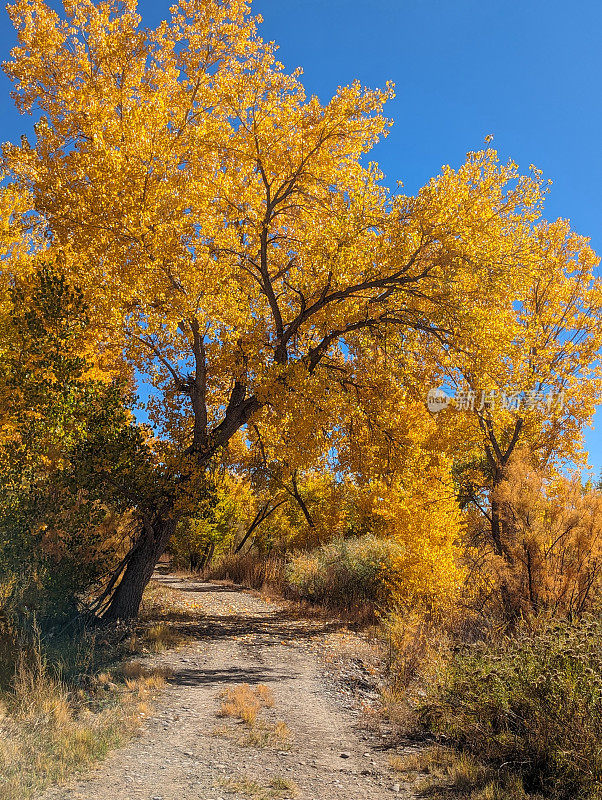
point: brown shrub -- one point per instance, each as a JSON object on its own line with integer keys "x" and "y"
{"x": 249, "y": 570}
{"x": 549, "y": 556}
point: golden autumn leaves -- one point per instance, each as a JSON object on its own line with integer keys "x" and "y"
{"x": 235, "y": 249}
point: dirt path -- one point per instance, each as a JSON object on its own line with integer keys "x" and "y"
{"x": 179, "y": 756}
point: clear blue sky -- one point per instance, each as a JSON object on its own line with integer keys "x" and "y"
{"x": 528, "y": 72}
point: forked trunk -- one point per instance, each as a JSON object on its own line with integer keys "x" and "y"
{"x": 126, "y": 600}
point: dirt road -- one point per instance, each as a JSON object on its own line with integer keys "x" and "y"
{"x": 186, "y": 752}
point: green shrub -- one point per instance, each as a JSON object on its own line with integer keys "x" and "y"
{"x": 358, "y": 571}
{"x": 530, "y": 704}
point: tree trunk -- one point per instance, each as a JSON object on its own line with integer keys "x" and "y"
{"x": 125, "y": 603}
{"x": 261, "y": 515}
{"x": 510, "y": 602}
{"x": 208, "y": 555}
{"x": 297, "y": 495}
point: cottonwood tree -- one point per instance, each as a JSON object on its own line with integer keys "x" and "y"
{"x": 226, "y": 229}
{"x": 541, "y": 390}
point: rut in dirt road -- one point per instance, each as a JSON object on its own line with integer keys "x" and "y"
{"x": 187, "y": 752}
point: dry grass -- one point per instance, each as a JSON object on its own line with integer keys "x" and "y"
{"x": 251, "y": 571}
{"x": 161, "y": 636}
{"x": 442, "y": 773}
{"x": 277, "y": 789}
{"x": 137, "y": 674}
{"x": 265, "y": 734}
{"x": 60, "y": 717}
{"x": 246, "y": 704}
{"x": 48, "y": 730}
{"x": 265, "y": 695}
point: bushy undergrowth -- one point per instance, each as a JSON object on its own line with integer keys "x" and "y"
{"x": 358, "y": 571}
{"x": 530, "y": 704}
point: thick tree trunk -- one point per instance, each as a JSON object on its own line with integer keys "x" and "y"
{"x": 125, "y": 603}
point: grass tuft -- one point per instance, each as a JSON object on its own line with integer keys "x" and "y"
{"x": 278, "y": 788}
{"x": 246, "y": 703}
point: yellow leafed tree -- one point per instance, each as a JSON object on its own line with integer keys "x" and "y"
{"x": 227, "y": 232}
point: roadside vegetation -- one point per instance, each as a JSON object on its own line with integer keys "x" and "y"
{"x": 67, "y": 700}
{"x": 514, "y": 699}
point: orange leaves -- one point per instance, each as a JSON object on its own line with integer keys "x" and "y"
{"x": 552, "y": 539}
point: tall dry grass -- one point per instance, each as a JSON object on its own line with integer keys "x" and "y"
{"x": 250, "y": 570}
{"x": 71, "y": 699}
{"x": 49, "y": 730}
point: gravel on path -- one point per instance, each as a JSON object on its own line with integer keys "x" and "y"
{"x": 182, "y": 753}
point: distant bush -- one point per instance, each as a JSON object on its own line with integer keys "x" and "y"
{"x": 249, "y": 569}
{"x": 358, "y": 571}
{"x": 531, "y": 704}
{"x": 346, "y": 572}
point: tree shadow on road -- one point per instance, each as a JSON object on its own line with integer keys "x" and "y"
{"x": 192, "y": 676}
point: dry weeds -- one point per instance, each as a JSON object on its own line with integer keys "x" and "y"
{"x": 48, "y": 731}
{"x": 442, "y": 773}
{"x": 50, "y": 728}
{"x": 246, "y": 703}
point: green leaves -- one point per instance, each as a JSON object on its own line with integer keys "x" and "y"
{"x": 55, "y": 532}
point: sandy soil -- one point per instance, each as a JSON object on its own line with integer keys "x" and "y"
{"x": 180, "y": 754}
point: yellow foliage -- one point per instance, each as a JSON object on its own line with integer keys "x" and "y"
{"x": 236, "y": 246}
{"x": 424, "y": 519}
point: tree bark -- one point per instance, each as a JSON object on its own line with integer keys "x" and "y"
{"x": 126, "y": 600}
{"x": 501, "y": 546}
{"x": 297, "y": 495}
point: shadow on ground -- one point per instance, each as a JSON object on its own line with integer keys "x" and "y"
{"x": 206, "y": 587}
{"x": 191, "y": 676}
{"x": 272, "y": 627}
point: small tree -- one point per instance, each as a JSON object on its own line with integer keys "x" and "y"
{"x": 57, "y": 539}
{"x": 552, "y": 534}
